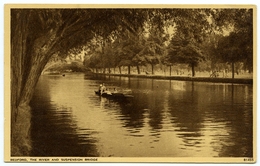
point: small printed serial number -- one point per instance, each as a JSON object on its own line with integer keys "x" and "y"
{"x": 248, "y": 159}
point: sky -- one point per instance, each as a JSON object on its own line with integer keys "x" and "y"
{"x": 2, "y": 87}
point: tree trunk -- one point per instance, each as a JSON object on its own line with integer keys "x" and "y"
{"x": 170, "y": 70}
{"x": 21, "y": 111}
{"x": 114, "y": 70}
{"x": 233, "y": 70}
{"x": 138, "y": 69}
{"x": 20, "y": 142}
{"x": 193, "y": 70}
{"x": 28, "y": 59}
{"x": 152, "y": 70}
{"x": 119, "y": 67}
{"x": 250, "y": 70}
{"x": 129, "y": 69}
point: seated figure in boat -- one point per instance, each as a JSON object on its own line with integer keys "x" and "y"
{"x": 107, "y": 91}
{"x": 103, "y": 88}
{"x": 100, "y": 89}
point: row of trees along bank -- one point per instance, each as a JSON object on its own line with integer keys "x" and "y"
{"x": 225, "y": 45}
{"x": 118, "y": 37}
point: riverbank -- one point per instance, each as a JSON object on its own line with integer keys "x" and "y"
{"x": 186, "y": 78}
{"x": 58, "y": 68}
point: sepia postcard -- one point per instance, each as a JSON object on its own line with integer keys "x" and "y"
{"x": 130, "y": 83}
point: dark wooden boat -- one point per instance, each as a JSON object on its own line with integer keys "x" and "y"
{"x": 104, "y": 94}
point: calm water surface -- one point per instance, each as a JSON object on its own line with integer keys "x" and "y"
{"x": 164, "y": 119}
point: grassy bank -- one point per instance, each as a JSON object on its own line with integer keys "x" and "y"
{"x": 187, "y": 78}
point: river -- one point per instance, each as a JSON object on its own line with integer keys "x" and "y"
{"x": 164, "y": 118}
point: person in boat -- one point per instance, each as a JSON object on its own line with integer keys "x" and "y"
{"x": 100, "y": 88}
{"x": 103, "y": 88}
{"x": 107, "y": 91}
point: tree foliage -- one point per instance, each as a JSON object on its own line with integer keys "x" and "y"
{"x": 187, "y": 51}
{"x": 237, "y": 46}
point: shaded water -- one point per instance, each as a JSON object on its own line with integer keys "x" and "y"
{"x": 164, "y": 119}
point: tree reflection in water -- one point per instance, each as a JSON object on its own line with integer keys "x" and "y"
{"x": 54, "y": 129}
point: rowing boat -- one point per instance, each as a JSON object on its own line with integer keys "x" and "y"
{"x": 115, "y": 95}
